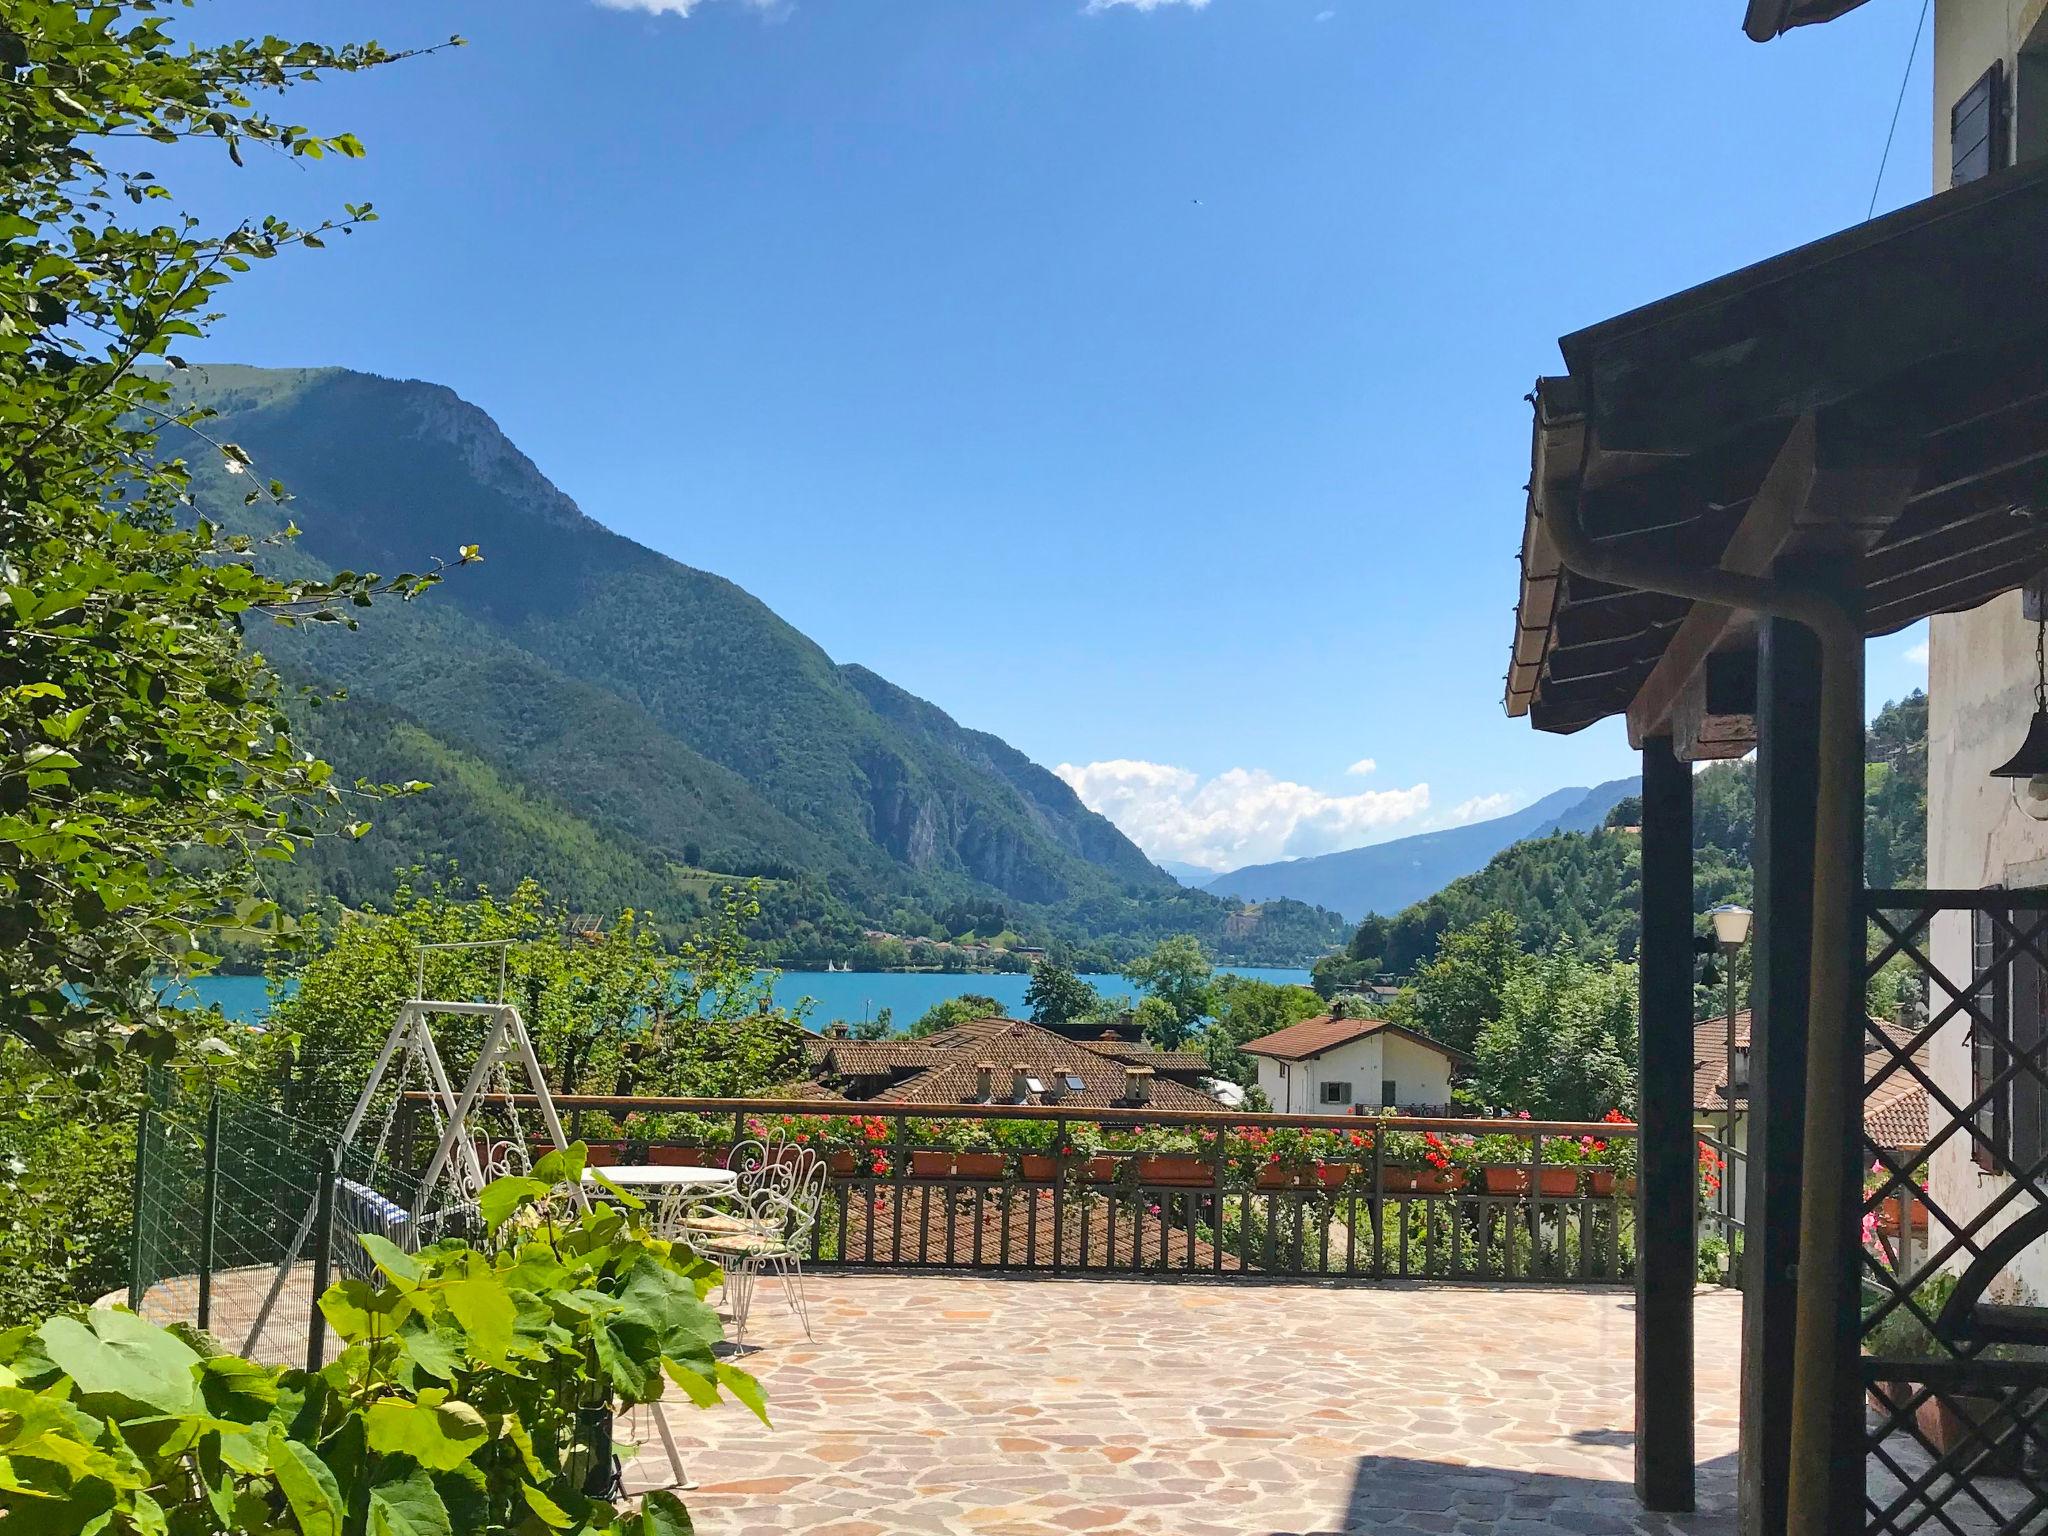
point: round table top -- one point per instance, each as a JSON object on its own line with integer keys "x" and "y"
{"x": 662, "y": 1175}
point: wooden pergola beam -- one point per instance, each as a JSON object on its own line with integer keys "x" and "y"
{"x": 1767, "y": 527}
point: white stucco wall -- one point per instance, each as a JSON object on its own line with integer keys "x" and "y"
{"x": 1421, "y": 1076}
{"x": 1980, "y": 676}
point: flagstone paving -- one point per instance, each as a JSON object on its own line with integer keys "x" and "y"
{"x": 1045, "y": 1407}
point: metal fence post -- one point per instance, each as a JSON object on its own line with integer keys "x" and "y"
{"x": 135, "y": 1215}
{"x": 1059, "y": 1192}
{"x": 209, "y": 1205}
{"x": 323, "y": 1259}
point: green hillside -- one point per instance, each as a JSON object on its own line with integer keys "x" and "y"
{"x": 1585, "y": 887}
{"x": 586, "y": 706}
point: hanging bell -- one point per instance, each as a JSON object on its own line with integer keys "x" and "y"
{"x": 2031, "y": 761}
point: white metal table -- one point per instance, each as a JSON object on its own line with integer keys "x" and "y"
{"x": 664, "y": 1176}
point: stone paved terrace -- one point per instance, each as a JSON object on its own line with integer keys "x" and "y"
{"x": 1035, "y": 1407}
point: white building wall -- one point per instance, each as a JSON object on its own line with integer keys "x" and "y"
{"x": 1980, "y": 676}
{"x": 1421, "y": 1076}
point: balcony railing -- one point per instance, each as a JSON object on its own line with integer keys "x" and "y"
{"x": 1136, "y": 1191}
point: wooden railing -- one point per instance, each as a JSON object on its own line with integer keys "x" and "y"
{"x": 1063, "y": 1204}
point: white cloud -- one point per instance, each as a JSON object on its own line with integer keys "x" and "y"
{"x": 677, "y": 7}
{"x": 1241, "y": 816}
{"x": 1363, "y": 766}
{"x": 1094, "y": 6}
{"x": 1478, "y": 808}
{"x": 1916, "y": 654}
{"x": 1324, "y": 15}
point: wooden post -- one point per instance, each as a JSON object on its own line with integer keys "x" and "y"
{"x": 1788, "y": 714}
{"x": 1667, "y": 1258}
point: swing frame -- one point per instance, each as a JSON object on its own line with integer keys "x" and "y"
{"x": 506, "y": 1041}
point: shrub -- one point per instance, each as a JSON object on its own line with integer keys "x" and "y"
{"x": 474, "y": 1393}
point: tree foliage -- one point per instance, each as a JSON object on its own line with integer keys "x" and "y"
{"x": 1176, "y": 978}
{"x": 1057, "y": 996}
{"x": 952, "y": 1011}
{"x": 146, "y": 764}
{"x": 1563, "y": 1043}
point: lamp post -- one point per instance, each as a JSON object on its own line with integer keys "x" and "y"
{"x": 1731, "y": 932}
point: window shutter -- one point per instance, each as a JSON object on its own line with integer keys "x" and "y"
{"x": 1977, "y": 128}
{"x": 2025, "y": 1011}
{"x": 1987, "y": 1041}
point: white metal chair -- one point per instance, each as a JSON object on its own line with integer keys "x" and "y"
{"x": 771, "y": 1230}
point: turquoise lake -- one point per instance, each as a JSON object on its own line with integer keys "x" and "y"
{"x": 849, "y": 995}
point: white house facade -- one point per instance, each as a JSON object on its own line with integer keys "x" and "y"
{"x": 1334, "y": 1066}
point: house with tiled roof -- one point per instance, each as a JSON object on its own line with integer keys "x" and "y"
{"x": 1894, "y": 1104}
{"x": 1333, "y": 1065}
{"x": 1010, "y": 1061}
{"x": 1895, "y": 1109}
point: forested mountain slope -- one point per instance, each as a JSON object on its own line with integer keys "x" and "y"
{"x": 595, "y": 706}
{"x": 1585, "y": 887}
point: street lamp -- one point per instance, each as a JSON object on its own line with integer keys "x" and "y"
{"x": 1731, "y": 932}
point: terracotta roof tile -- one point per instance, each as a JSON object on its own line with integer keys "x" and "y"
{"x": 944, "y": 1068}
{"x": 1894, "y": 1114}
{"x": 1312, "y": 1037}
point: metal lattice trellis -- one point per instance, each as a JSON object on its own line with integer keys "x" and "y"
{"x": 1957, "y": 1429}
{"x": 222, "y": 1183}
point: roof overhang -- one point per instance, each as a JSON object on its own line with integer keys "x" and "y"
{"x": 1766, "y": 19}
{"x": 1881, "y": 394}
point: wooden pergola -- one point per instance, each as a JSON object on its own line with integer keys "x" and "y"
{"x": 1729, "y": 489}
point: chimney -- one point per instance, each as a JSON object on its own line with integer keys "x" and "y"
{"x": 985, "y": 1082}
{"x": 1137, "y": 1085}
{"x": 837, "y": 1030}
{"x": 1020, "y": 1082}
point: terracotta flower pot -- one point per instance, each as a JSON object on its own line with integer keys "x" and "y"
{"x": 1038, "y": 1167}
{"x": 1334, "y": 1175}
{"x": 931, "y": 1165}
{"x": 680, "y": 1157}
{"x": 1949, "y": 1421}
{"x": 1179, "y": 1171}
{"x": 603, "y": 1154}
{"x": 1513, "y": 1179}
{"x": 1602, "y": 1182}
{"x": 1423, "y": 1181}
{"x": 1102, "y": 1170}
{"x": 978, "y": 1165}
{"x": 841, "y": 1163}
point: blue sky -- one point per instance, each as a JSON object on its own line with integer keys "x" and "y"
{"x": 1140, "y": 381}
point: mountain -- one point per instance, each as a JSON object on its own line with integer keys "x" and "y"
{"x": 1187, "y": 874}
{"x": 629, "y": 727}
{"x": 1585, "y": 887}
{"x": 1389, "y": 876}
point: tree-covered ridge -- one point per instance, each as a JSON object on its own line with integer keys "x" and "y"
{"x": 1584, "y": 888}
{"x": 621, "y": 723}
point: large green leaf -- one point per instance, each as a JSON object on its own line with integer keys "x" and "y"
{"x": 545, "y": 1509}
{"x": 745, "y": 1388}
{"x": 486, "y": 1311}
{"x": 308, "y": 1486}
{"x": 501, "y": 1197}
{"x": 662, "y": 1514}
{"x": 122, "y": 1362}
{"x": 401, "y": 1266}
{"x": 438, "y": 1437}
{"x": 564, "y": 1165}
{"x": 404, "y": 1502}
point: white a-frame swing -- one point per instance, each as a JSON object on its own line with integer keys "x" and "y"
{"x": 457, "y": 1162}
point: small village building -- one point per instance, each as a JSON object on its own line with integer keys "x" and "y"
{"x": 1008, "y": 1061}
{"x": 1327, "y": 1065}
